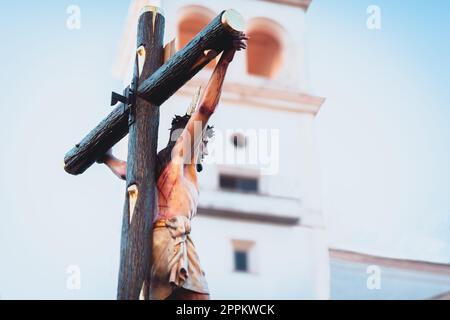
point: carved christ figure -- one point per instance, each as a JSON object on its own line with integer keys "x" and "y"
{"x": 176, "y": 272}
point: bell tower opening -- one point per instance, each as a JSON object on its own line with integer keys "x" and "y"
{"x": 265, "y": 48}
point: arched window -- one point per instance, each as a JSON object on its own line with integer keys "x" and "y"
{"x": 193, "y": 20}
{"x": 265, "y": 48}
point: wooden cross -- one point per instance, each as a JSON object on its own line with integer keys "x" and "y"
{"x": 138, "y": 114}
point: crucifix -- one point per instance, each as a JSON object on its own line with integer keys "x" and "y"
{"x": 157, "y": 76}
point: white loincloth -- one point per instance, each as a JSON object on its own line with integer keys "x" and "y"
{"x": 175, "y": 260}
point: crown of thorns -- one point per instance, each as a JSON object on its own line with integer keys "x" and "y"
{"x": 180, "y": 122}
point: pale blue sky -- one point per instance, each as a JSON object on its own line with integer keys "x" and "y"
{"x": 383, "y": 133}
{"x": 382, "y": 137}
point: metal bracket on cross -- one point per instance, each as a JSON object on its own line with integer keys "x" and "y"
{"x": 128, "y": 98}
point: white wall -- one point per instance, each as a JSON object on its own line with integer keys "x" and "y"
{"x": 287, "y": 261}
{"x": 294, "y": 187}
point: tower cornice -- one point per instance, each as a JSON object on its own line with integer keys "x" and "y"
{"x": 304, "y": 4}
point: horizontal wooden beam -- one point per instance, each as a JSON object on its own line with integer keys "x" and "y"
{"x": 157, "y": 88}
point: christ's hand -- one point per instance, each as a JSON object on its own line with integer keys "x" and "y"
{"x": 238, "y": 43}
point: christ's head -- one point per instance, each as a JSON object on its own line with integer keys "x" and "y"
{"x": 177, "y": 127}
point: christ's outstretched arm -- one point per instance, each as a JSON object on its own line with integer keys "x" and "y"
{"x": 117, "y": 166}
{"x": 192, "y": 136}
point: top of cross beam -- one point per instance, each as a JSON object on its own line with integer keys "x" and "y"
{"x": 233, "y": 20}
{"x": 230, "y": 18}
{"x": 153, "y": 9}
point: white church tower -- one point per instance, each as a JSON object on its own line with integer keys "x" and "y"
{"x": 259, "y": 230}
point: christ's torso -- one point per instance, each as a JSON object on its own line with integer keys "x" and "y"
{"x": 177, "y": 191}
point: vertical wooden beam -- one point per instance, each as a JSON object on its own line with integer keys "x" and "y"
{"x": 140, "y": 198}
